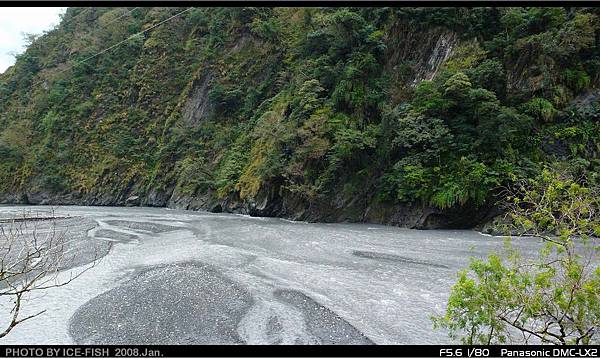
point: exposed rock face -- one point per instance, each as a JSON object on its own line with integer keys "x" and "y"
{"x": 425, "y": 50}
{"x": 272, "y": 201}
{"x": 587, "y": 98}
{"x": 157, "y": 197}
{"x": 441, "y": 51}
{"x": 198, "y": 105}
{"x": 13, "y": 198}
{"x": 523, "y": 74}
{"x": 47, "y": 198}
{"x": 133, "y": 200}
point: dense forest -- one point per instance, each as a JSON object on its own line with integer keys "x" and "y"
{"x": 406, "y": 116}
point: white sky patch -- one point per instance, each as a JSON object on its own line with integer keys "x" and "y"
{"x": 14, "y": 21}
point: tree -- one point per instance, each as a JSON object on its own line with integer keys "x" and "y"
{"x": 553, "y": 298}
{"x": 30, "y": 260}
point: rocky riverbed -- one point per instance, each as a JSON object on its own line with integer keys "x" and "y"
{"x": 181, "y": 277}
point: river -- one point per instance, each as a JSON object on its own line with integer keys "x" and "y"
{"x": 184, "y": 277}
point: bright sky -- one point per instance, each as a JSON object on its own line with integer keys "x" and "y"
{"x": 14, "y": 21}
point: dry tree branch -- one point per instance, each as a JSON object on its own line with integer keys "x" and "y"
{"x": 30, "y": 261}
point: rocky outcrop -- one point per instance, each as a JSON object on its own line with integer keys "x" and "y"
{"x": 587, "y": 98}
{"x": 198, "y": 105}
{"x": 13, "y": 198}
{"x": 428, "y": 67}
{"x": 426, "y": 51}
{"x": 273, "y": 201}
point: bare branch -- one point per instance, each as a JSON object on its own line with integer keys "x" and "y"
{"x": 31, "y": 260}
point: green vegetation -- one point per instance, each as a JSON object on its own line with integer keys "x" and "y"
{"x": 553, "y": 298}
{"x": 313, "y": 103}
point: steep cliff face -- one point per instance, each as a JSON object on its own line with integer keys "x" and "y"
{"x": 198, "y": 106}
{"x": 426, "y": 52}
{"x": 409, "y": 117}
{"x": 423, "y": 50}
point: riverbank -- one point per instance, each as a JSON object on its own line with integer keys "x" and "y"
{"x": 271, "y": 204}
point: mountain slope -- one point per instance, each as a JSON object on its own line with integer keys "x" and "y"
{"x": 408, "y": 116}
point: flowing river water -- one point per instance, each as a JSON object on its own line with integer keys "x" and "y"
{"x": 182, "y": 277}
